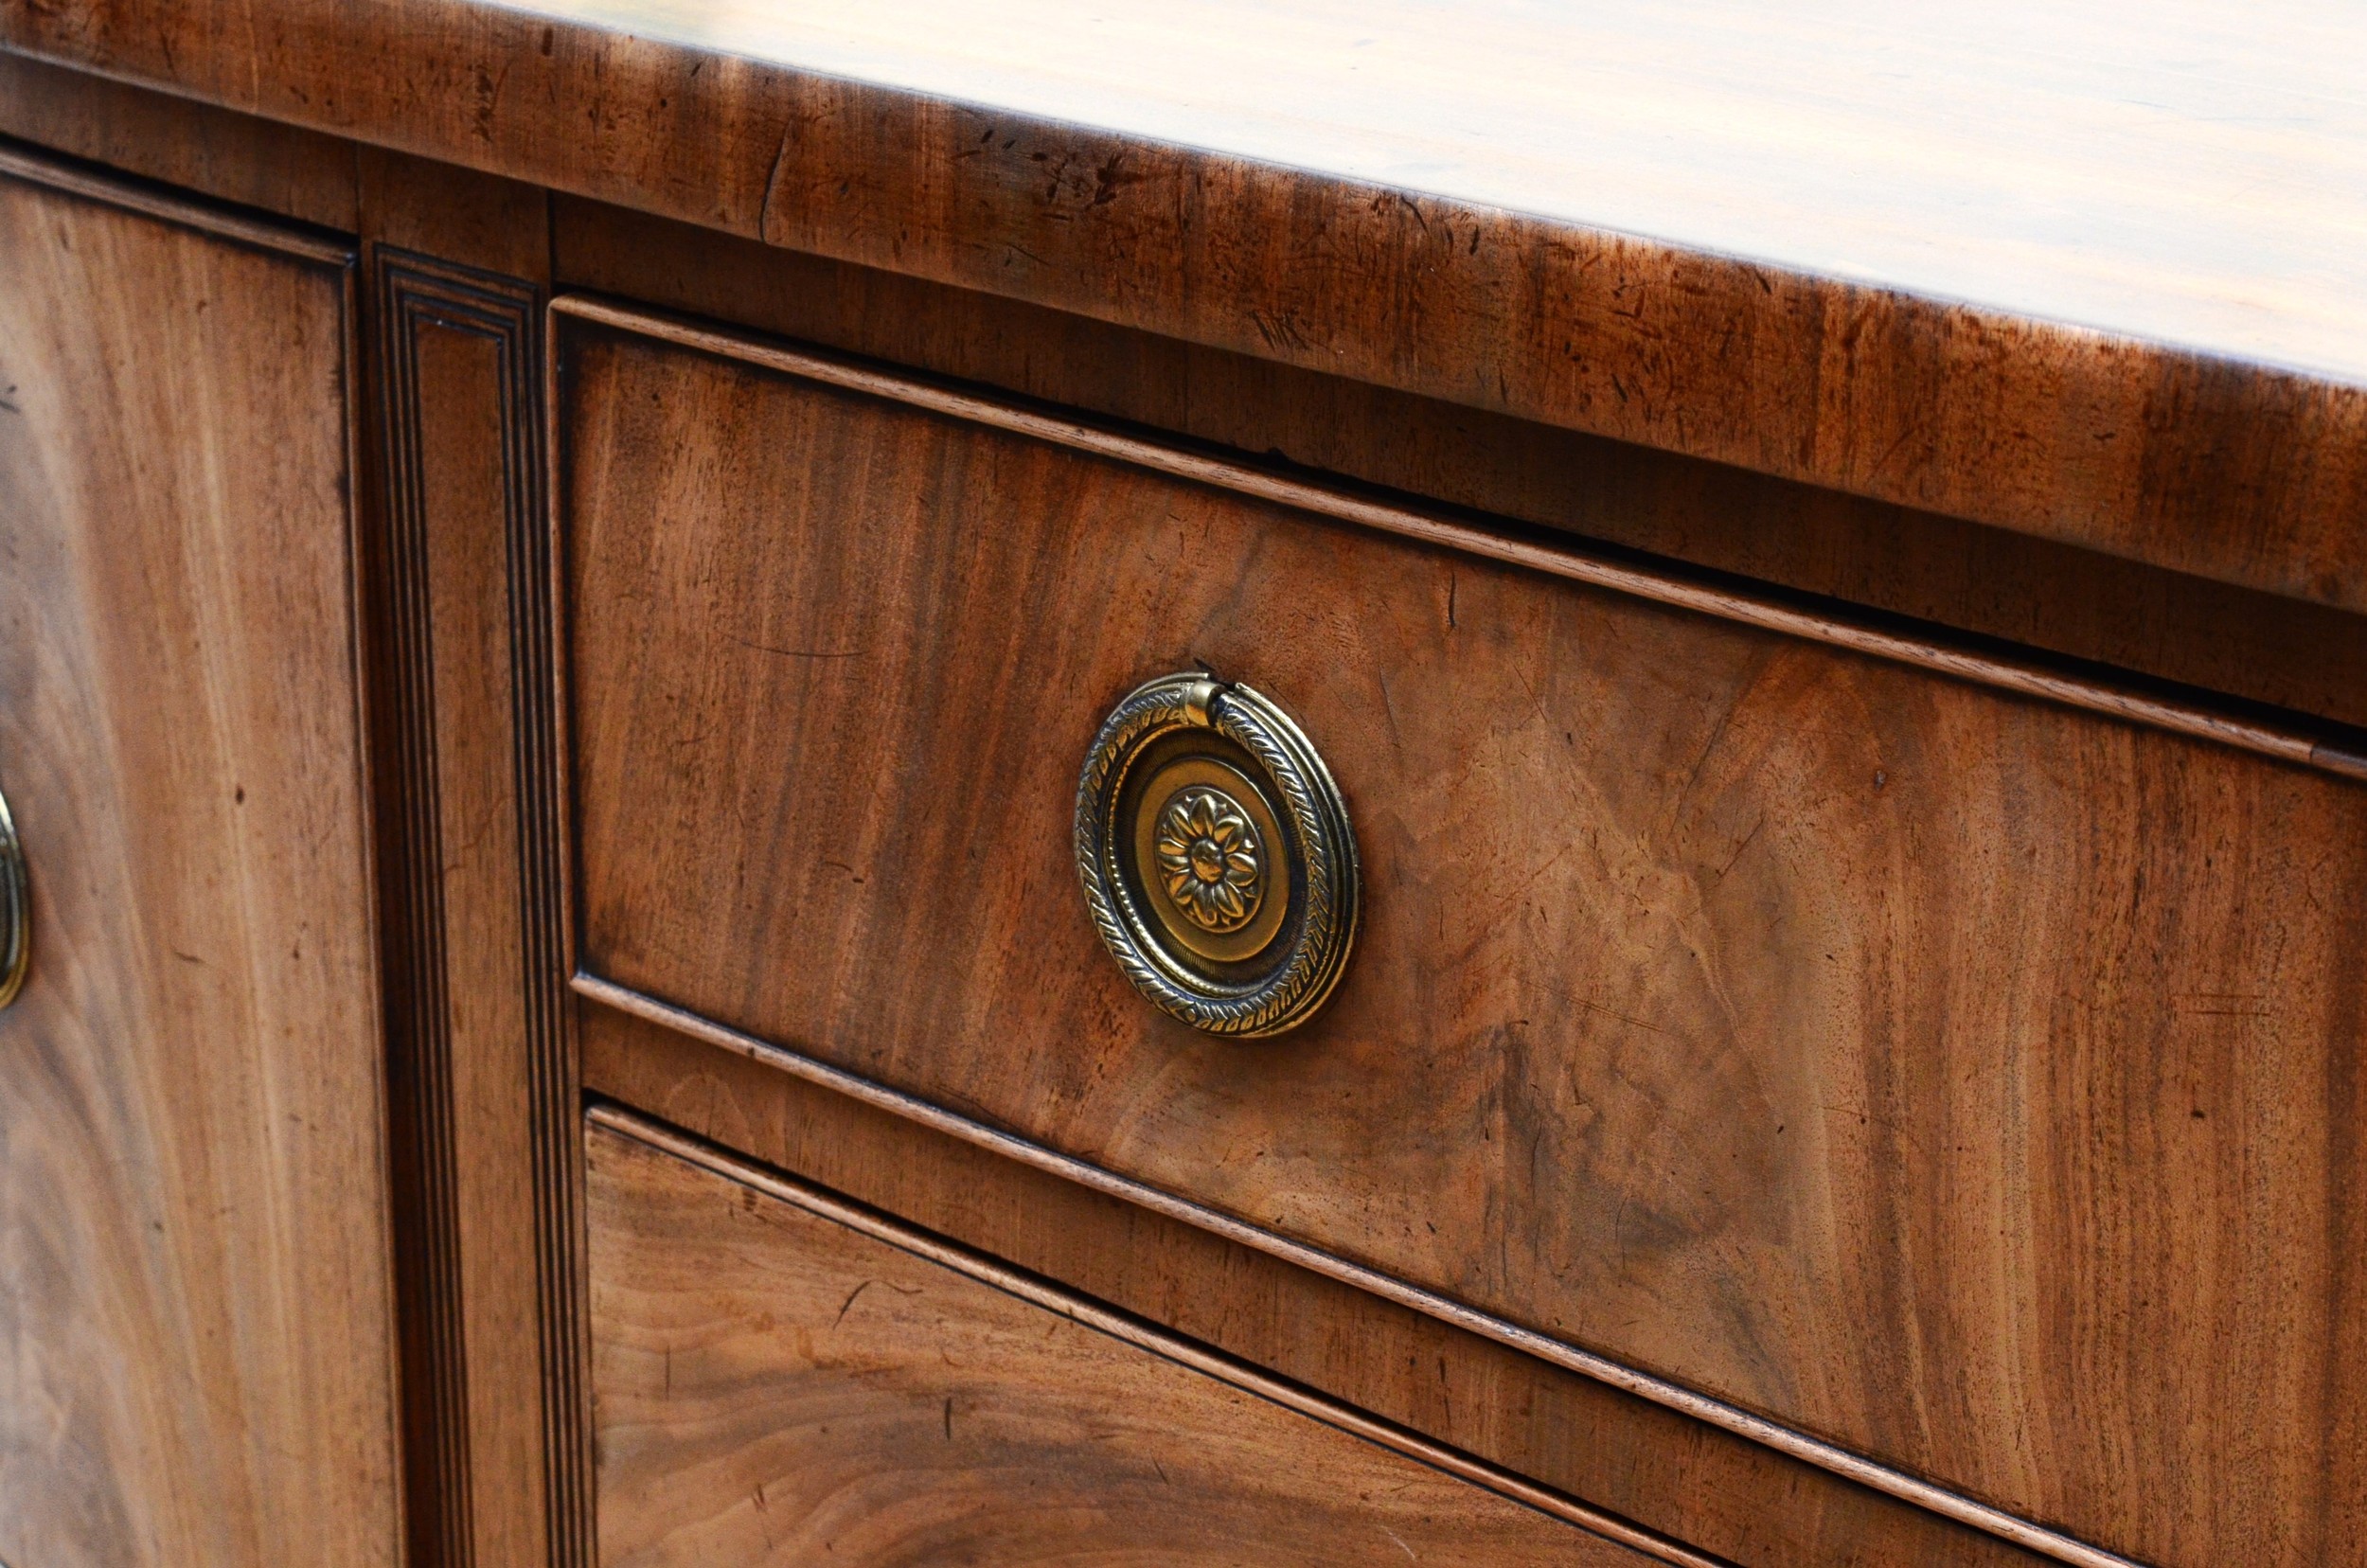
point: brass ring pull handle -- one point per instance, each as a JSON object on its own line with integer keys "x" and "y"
{"x": 16, "y": 910}
{"x": 1216, "y": 856}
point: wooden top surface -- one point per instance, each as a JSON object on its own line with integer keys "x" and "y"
{"x": 2194, "y": 174}
{"x": 2094, "y": 273}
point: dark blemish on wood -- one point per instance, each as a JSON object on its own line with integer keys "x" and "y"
{"x": 1747, "y": 841}
{"x": 1113, "y": 177}
{"x": 1597, "y": 1007}
{"x": 796, "y": 652}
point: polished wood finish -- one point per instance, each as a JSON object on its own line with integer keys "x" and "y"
{"x": 486, "y": 1112}
{"x": 2286, "y": 736}
{"x": 1919, "y": 564}
{"x": 1432, "y": 366}
{"x": 1679, "y": 1031}
{"x": 1825, "y": 279}
{"x": 478, "y": 222}
{"x": 1739, "y": 1500}
{"x": 1916, "y": 565}
{"x": 255, "y": 162}
{"x": 195, "y": 1251}
{"x": 781, "y": 1375}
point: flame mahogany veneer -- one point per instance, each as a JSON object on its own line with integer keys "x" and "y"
{"x": 1826, "y": 549}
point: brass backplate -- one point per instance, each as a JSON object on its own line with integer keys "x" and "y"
{"x": 1216, "y": 856}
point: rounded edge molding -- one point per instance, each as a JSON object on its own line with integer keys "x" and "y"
{"x": 1309, "y": 876}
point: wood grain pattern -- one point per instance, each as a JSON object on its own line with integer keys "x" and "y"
{"x": 1920, "y": 565}
{"x": 780, "y": 1374}
{"x": 1725, "y": 1494}
{"x": 1930, "y": 568}
{"x": 478, "y": 221}
{"x": 489, "y": 1116}
{"x": 233, "y": 157}
{"x": 1955, "y": 1076}
{"x": 2287, "y": 736}
{"x": 194, "y": 1251}
{"x": 491, "y": 1303}
{"x": 1895, "y": 256}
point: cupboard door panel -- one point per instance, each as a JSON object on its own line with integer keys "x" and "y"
{"x": 779, "y": 1378}
{"x": 196, "y": 1352}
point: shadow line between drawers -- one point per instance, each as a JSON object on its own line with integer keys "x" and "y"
{"x": 2159, "y": 704}
{"x": 1676, "y": 1397}
{"x": 1143, "y": 1336}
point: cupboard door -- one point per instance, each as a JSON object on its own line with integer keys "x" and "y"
{"x": 196, "y": 1342}
{"x": 782, "y": 1378}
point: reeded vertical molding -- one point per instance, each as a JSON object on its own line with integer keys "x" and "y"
{"x": 410, "y": 857}
{"x": 411, "y": 294}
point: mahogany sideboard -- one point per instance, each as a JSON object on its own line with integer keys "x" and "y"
{"x": 1196, "y": 784}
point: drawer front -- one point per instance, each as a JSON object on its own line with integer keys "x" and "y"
{"x": 1958, "y": 1076}
{"x": 780, "y": 1378}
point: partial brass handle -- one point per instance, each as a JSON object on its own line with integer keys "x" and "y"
{"x": 1216, "y": 856}
{"x": 16, "y": 910}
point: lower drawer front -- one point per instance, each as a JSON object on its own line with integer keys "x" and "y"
{"x": 1962, "y": 1077}
{"x": 778, "y": 1379}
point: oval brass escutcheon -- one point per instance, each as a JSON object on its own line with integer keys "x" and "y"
{"x": 16, "y": 910}
{"x": 1216, "y": 856}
